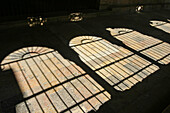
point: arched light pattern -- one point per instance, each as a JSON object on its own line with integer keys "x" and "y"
{"x": 165, "y": 26}
{"x": 147, "y": 45}
{"x": 118, "y": 31}
{"x": 118, "y": 66}
{"x": 25, "y": 53}
{"x": 50, "y": 83}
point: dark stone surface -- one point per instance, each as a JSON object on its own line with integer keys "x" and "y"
{"x": 149, "y": 96}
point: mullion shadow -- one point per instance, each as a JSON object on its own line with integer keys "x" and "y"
{"x": 111, "y": 67}
{"x": 32, "y": 67}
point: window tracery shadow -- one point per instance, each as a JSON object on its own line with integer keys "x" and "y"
{"x": 50, "y": 83}
{"x": 151, "y": 47}
{"x": 164, "y": 26}
{"x": 118, "y": 66}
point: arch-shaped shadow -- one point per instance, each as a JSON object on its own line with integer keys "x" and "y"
{"x": 50, "y": 83}
{"x": 147, "y": 45}
{"x": 118, "y": 66}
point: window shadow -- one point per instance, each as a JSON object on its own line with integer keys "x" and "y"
{"x": 164, "y": 26}
{"x": 151, "y": 47}
{"x": 118, "y": 66}
{"x": 50, "y": 83}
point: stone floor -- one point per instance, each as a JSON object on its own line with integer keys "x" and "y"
{"x": 112, "y": 63}
{"x": 50, "y": 83}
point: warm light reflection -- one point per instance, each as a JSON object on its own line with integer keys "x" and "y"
{"x": 118, "y": 66}
{"x": 35, "y": 21}
{"x": 139, "y": 9}
{"x": 50, "y": 83}
{"x": 165, "y": 26}
{"x": 75, "y": 17}
{"x": 147, "y": 45}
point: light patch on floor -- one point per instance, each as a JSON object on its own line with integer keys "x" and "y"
{"x": 165, "y": 26}
{"x": 74, "y": 17}
{"x": 50, "y": 83}
{"x": 147, "y": 45}
{"x": 118, "y": 66}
